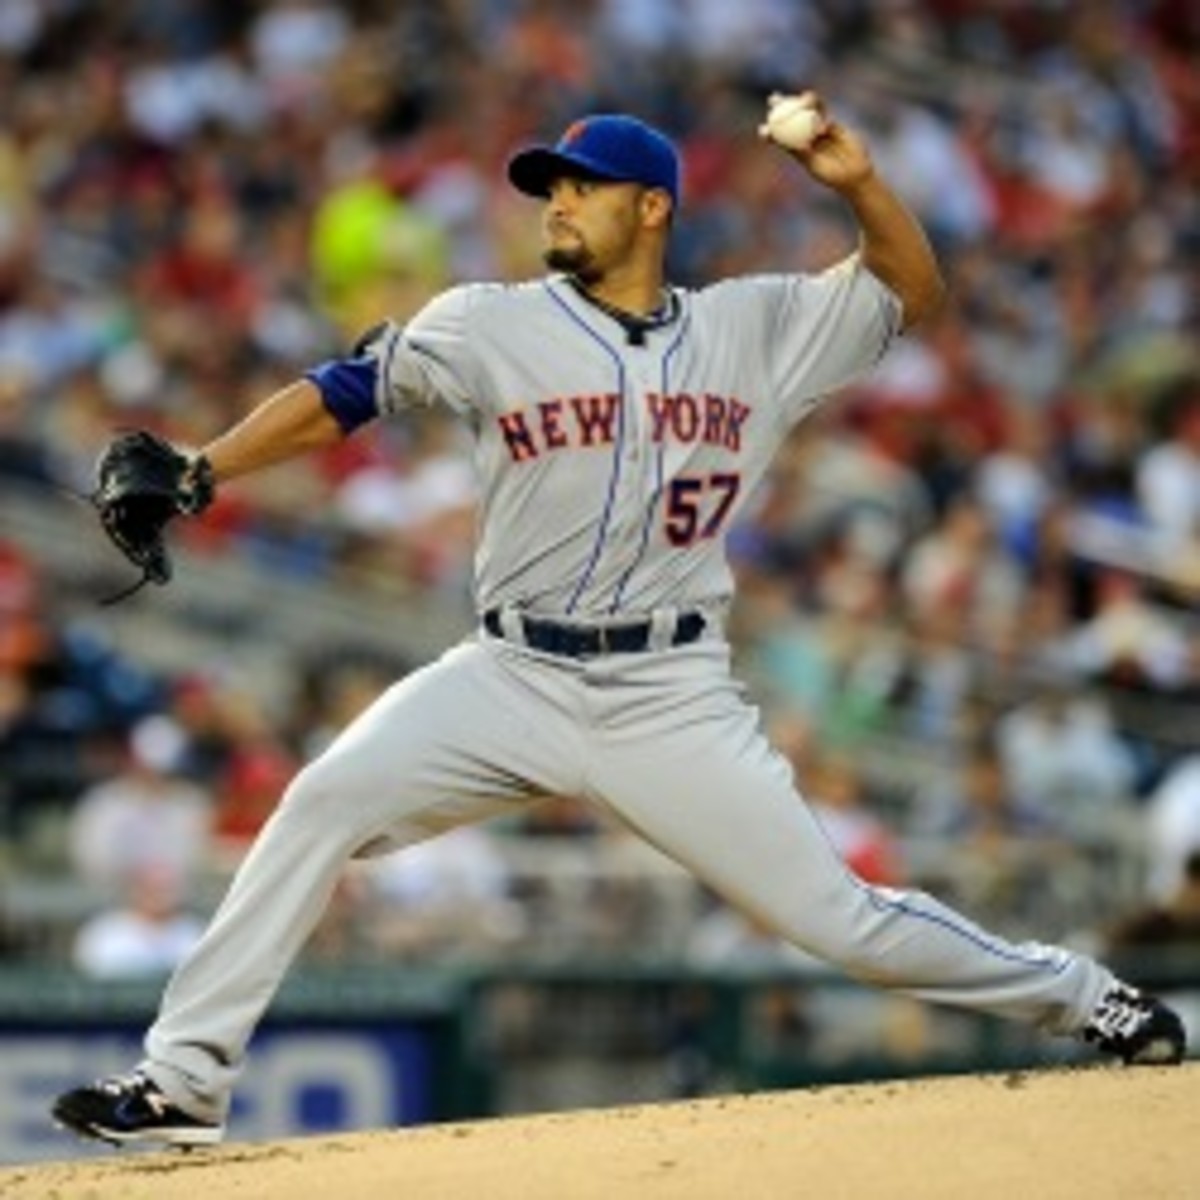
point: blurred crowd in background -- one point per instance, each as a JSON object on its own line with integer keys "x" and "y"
{"x": 970, "y": 583}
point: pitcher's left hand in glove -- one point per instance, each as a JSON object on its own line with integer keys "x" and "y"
{"x": 142, "y": 483}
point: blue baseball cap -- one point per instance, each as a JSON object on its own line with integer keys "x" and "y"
{"x": 606, "y": 146}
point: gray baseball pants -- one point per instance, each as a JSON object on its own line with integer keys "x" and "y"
{"x": 665, "y": 742}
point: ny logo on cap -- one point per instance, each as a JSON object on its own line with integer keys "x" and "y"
{"x": 574, "y": 132}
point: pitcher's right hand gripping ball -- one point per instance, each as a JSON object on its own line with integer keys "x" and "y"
{"x": 142, "y": 482}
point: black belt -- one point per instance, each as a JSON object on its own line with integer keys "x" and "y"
{"x": 588, "y": 641}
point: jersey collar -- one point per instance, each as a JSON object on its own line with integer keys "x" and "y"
{"x": 635, "y": 326}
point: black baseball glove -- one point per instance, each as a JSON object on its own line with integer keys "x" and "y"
{"x": 142, "y": 482}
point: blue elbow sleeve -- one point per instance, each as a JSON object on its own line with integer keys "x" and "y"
{"x": 347, "y": 387}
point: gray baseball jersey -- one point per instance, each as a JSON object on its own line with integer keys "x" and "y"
{"x": 611, "y": 464}
{"x": 610, "y": 472}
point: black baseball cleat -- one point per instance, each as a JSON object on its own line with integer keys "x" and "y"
{"x": 1139, "y": 1029}
{"x": 132, "y": 1110}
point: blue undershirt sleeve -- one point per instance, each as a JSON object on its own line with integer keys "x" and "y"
{"x": 347, "y": 387}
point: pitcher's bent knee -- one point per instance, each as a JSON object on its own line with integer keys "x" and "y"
{"x": 315, "y": 808}
{"x": 353, "y": 800}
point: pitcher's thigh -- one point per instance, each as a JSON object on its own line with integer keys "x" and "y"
{"x": 727, "y": 809}
{"x": 439, "y": 748}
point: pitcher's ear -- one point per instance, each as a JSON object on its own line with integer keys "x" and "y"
{"x": 656, "y": 207}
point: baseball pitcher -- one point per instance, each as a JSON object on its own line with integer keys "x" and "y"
{"x": 619, "y": 425}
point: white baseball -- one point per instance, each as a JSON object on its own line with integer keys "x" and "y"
{"x": 793, "y": 123}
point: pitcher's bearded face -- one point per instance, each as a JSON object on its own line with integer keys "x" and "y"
{"x": 567, "y": 248}
{"x": 588, "y": 226}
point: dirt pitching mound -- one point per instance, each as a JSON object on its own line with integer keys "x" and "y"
{"x": 1099, "y": 1134}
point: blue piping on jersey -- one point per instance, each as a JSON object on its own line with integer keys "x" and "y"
{"x": 615, "y": 476}
{"x": 388, "y": 355}
{"x": 652, "y": 507}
